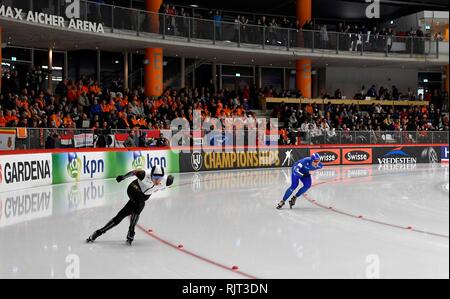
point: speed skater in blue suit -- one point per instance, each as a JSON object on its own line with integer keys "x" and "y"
{"x": 300, "y": 172}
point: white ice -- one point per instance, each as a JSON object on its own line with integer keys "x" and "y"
{"x": 228, "y": 218}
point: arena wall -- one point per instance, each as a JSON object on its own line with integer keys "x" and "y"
{"x": 25, "y": 169}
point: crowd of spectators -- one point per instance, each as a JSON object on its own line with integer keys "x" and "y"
{"x": 309, "y": 123}
{"x": 373, "y": 93}
{"x": 272, "y": 30}
{"x": 85, "y": 104}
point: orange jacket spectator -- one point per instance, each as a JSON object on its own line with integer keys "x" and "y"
{"x": 11, "y": 117}
{"x": 68, "y": 122}
{"x": 55, "y": 118}
{"x": 95, "y": 89}
{"x": 40, "y": 101}
{"x": 73, "y": 94}
{"x": 3, "y": 121}
{"x": 84, "y": 88}
{"x": 22, "y": 103}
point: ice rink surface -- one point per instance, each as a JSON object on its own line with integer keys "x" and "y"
{"x": 355, "y": 222}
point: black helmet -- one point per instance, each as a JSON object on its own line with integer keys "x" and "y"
{"x": 157, "y": 172}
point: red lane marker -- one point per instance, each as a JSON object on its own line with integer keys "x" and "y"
{"x": 373, "y": 220}
{"x": 196, "y": 255}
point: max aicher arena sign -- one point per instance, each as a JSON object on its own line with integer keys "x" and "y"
{"x": 72, "y": 22}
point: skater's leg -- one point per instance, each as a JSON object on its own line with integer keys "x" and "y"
{"x": 126, "y": 210}
{"x": 137, "y": 209}
{"x": 306, "y": 180}
{"x": 294, "y": 185}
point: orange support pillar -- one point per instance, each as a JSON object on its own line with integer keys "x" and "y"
{"x": 304, "y": 11}
{"x": 303, "y": 66}
{"x": 303, "y": 77}
{"x": 154, "y": 56}
{"x": 154, "y": 72}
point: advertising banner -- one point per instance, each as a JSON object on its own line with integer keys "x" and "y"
{"x": 288, "y": 156}
{"x": 351, "y": 156}
{"x": 328, "y": 156}
{"x": 444, "y": 154}
{"x": 25, "y": 171}
{"x": 78, "y": 166}
{"x": 127, "y": 161}
{"x": 7, "y": 140}
{"x": 248, "y": 159}
{"x": 406, "y": 155}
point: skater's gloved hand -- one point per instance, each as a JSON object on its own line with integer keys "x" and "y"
{"x": 120, "y": 178}
{"x": 169, "y": 181}
{"x": 297, "y": 172}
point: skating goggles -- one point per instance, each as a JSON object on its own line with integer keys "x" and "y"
{"x": 157, "y": 177}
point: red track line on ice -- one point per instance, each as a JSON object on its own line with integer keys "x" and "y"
{"x": 409, "y": 228}
{"x": 204, "y": 259}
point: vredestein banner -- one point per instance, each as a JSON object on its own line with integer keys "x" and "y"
{"x": 406, "y": 155}
{"x": 77, "y": 166}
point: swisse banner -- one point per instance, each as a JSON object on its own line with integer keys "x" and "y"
{"x": 328, "y": 156}
{"x": 24, "y": 171}
{"x": 406, "y": 155}
{"x": 248, "y": 159}
{"x": 352, "y": 156}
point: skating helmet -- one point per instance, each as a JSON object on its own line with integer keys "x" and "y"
{"x": 157, "y": 172}
{"x": 315, "y": 157}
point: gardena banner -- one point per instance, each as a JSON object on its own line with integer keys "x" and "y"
{"x": 25, "y": 171}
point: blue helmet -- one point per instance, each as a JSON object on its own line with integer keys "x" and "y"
{"x": 315, "y": 157}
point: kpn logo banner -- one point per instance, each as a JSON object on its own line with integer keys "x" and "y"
{"x": 80, "y": 166}
{"x": 132, "y": 160}
{"x": 77, "y": 166}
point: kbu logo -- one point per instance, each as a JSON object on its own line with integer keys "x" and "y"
{"x": 73, "y": 9}
{"x": 196, "y": 161}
